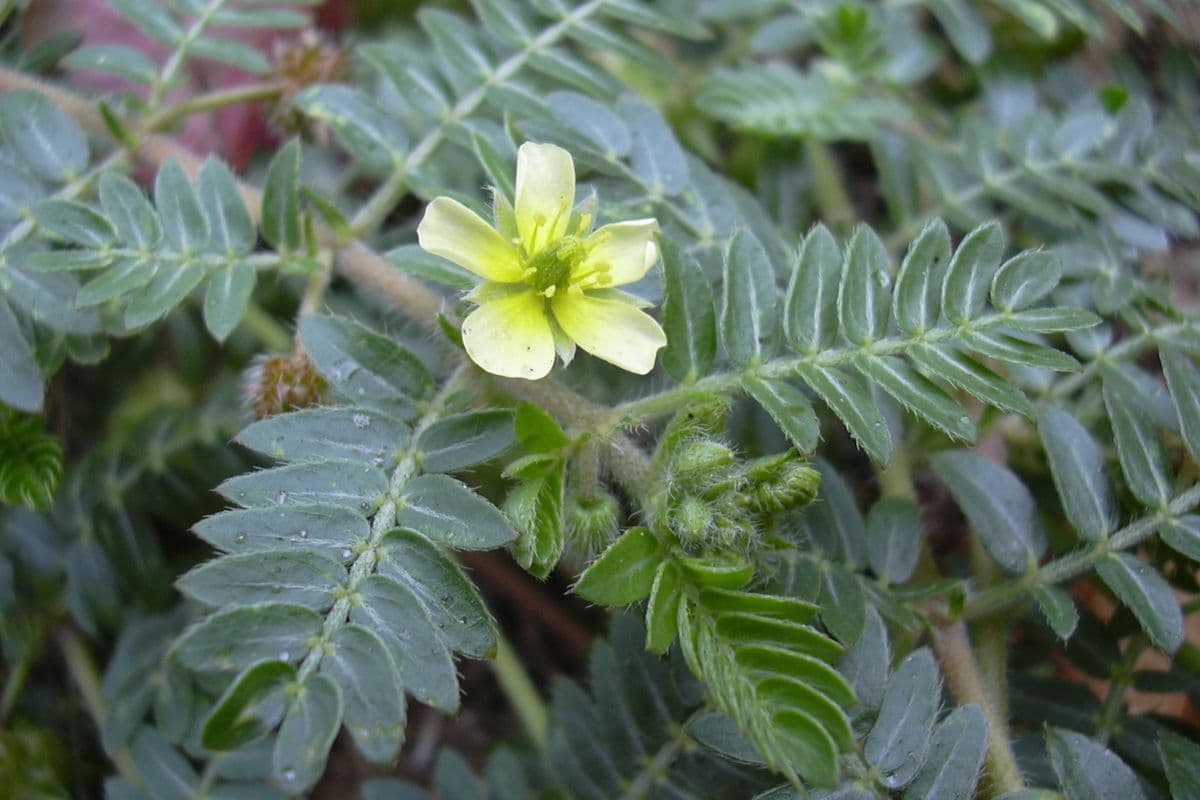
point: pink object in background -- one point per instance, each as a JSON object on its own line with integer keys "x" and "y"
{"x": 235, "y": 133}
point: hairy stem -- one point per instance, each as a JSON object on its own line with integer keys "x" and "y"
{"x": 990, "y": 633}
{"x": 653, "y": 769}
{"x": 87, "y": 679}
{"x": 828, "y": 187}
{"x": 1119, "y": 682}
{"x": 175, "y": 62}
{"x": 18, "y": 671}
{"x": 270, "y": 334}
{"x": 210, "y": 101}
{"x": 1079, "y": 561}
{"x": 953, "y": 647}
{"x": 521, "y": 693}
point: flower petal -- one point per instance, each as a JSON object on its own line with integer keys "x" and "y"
{"x": 511, "y": 336}
{"x": 610, "y": 329}
{"x": 451, "y": 230}
{"x": 627, "y": 249}
{"x": 545, "y": 194}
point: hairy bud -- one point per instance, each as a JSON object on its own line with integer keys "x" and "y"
{"x": 691, "y": 520}
{"x": 591, "y": 520}
{"x": 702, "y": 416}
{"x": 700, "y": 462}
{"x": 779, "y": 483}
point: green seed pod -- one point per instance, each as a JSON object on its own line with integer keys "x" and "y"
{"x": 591, "y": 520}
{"x": 699, "y": 462}
{"x": 779, "y": 483}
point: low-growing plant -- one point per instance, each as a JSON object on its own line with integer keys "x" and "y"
{"x": 845, "y": 351}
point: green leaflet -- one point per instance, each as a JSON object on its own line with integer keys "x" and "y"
{"x": 249, "y": 707}
{"x": 688, "y": 317}
{"x": 899, "y": 740}
{"x": 918, "y": 394}
{"x": 185, "y": 226}
{"x": 1181, "y": 759}
{"x": 163, "y": 770}
{"x": 1058, "y": 608}
{"x": 421, "y": 655}
{"x": 324, "y": 434}
{"x": 365, "y": 366}
{"x": 864, "y": 294}
{"x": 749, "y": 306}
{"x": 334, "y": 530}
{"x": 789, "y": 408}
{"x": 74, "y": 223}
{"x": 1025, "y": 279}
{"x": 463, "y": 440}
{"x": 1088, "y": 771}
{"x": 450, "y": 600}
{"x": 1183, "y": 379}
{"x": 342, "y": 483}
{"x": 999, "y": 507}
{"x": 955, "y": 755}
{"x": 307, "y": 733}
{"x": 20, "y": 379}
{"x": 917, "y": 299}
{"x": 1142, "y": 588}
{"x": 373, "y": 707}
{"x": 893, "y": 538}
{"x": 1183, "y": 535}
{"x": 449, "y": 513}
{"x": 303, "y": 578}
{"x": 368, "y": 131}
{"x": 227, "y": 297}
{"x": 1077, "y": 467}
{"x": 662, "y": 608}
{"x": 233, "y": 639}
{"x": 281, "y": 200}
{"x": 1143, "y": 460}
{"x": 45, "y": 140}
{"x": 850, "y": 399}
{"x": 624, "y": 573}
{"x": 970, "y": 273}
{"x": 810, "y": 307}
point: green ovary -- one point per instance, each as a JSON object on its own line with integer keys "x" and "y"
{"x": 554, "y": 263}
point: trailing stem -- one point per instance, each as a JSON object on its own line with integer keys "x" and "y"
{"x": 953, "y": 647}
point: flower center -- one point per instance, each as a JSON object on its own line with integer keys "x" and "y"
{"x": 552, "y": 265}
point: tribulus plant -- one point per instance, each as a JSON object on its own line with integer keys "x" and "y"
{"x": 603, "y": 399}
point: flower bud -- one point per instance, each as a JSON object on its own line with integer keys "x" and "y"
{"x": 691, "y": 520}
{"x": 699, "y": 462}
{"x": 591, "y": 520}
{"x": 779, "y": 483}
{"x": 702, "y": 416}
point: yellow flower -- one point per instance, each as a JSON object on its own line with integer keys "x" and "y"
{"x": 547, "y": 282}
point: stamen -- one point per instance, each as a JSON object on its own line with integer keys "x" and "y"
{"x": 585, "y": 221}
{"x": 596, "y": 239}
{"x": 562, "y": 207}
{"x": 538, "y": 221}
